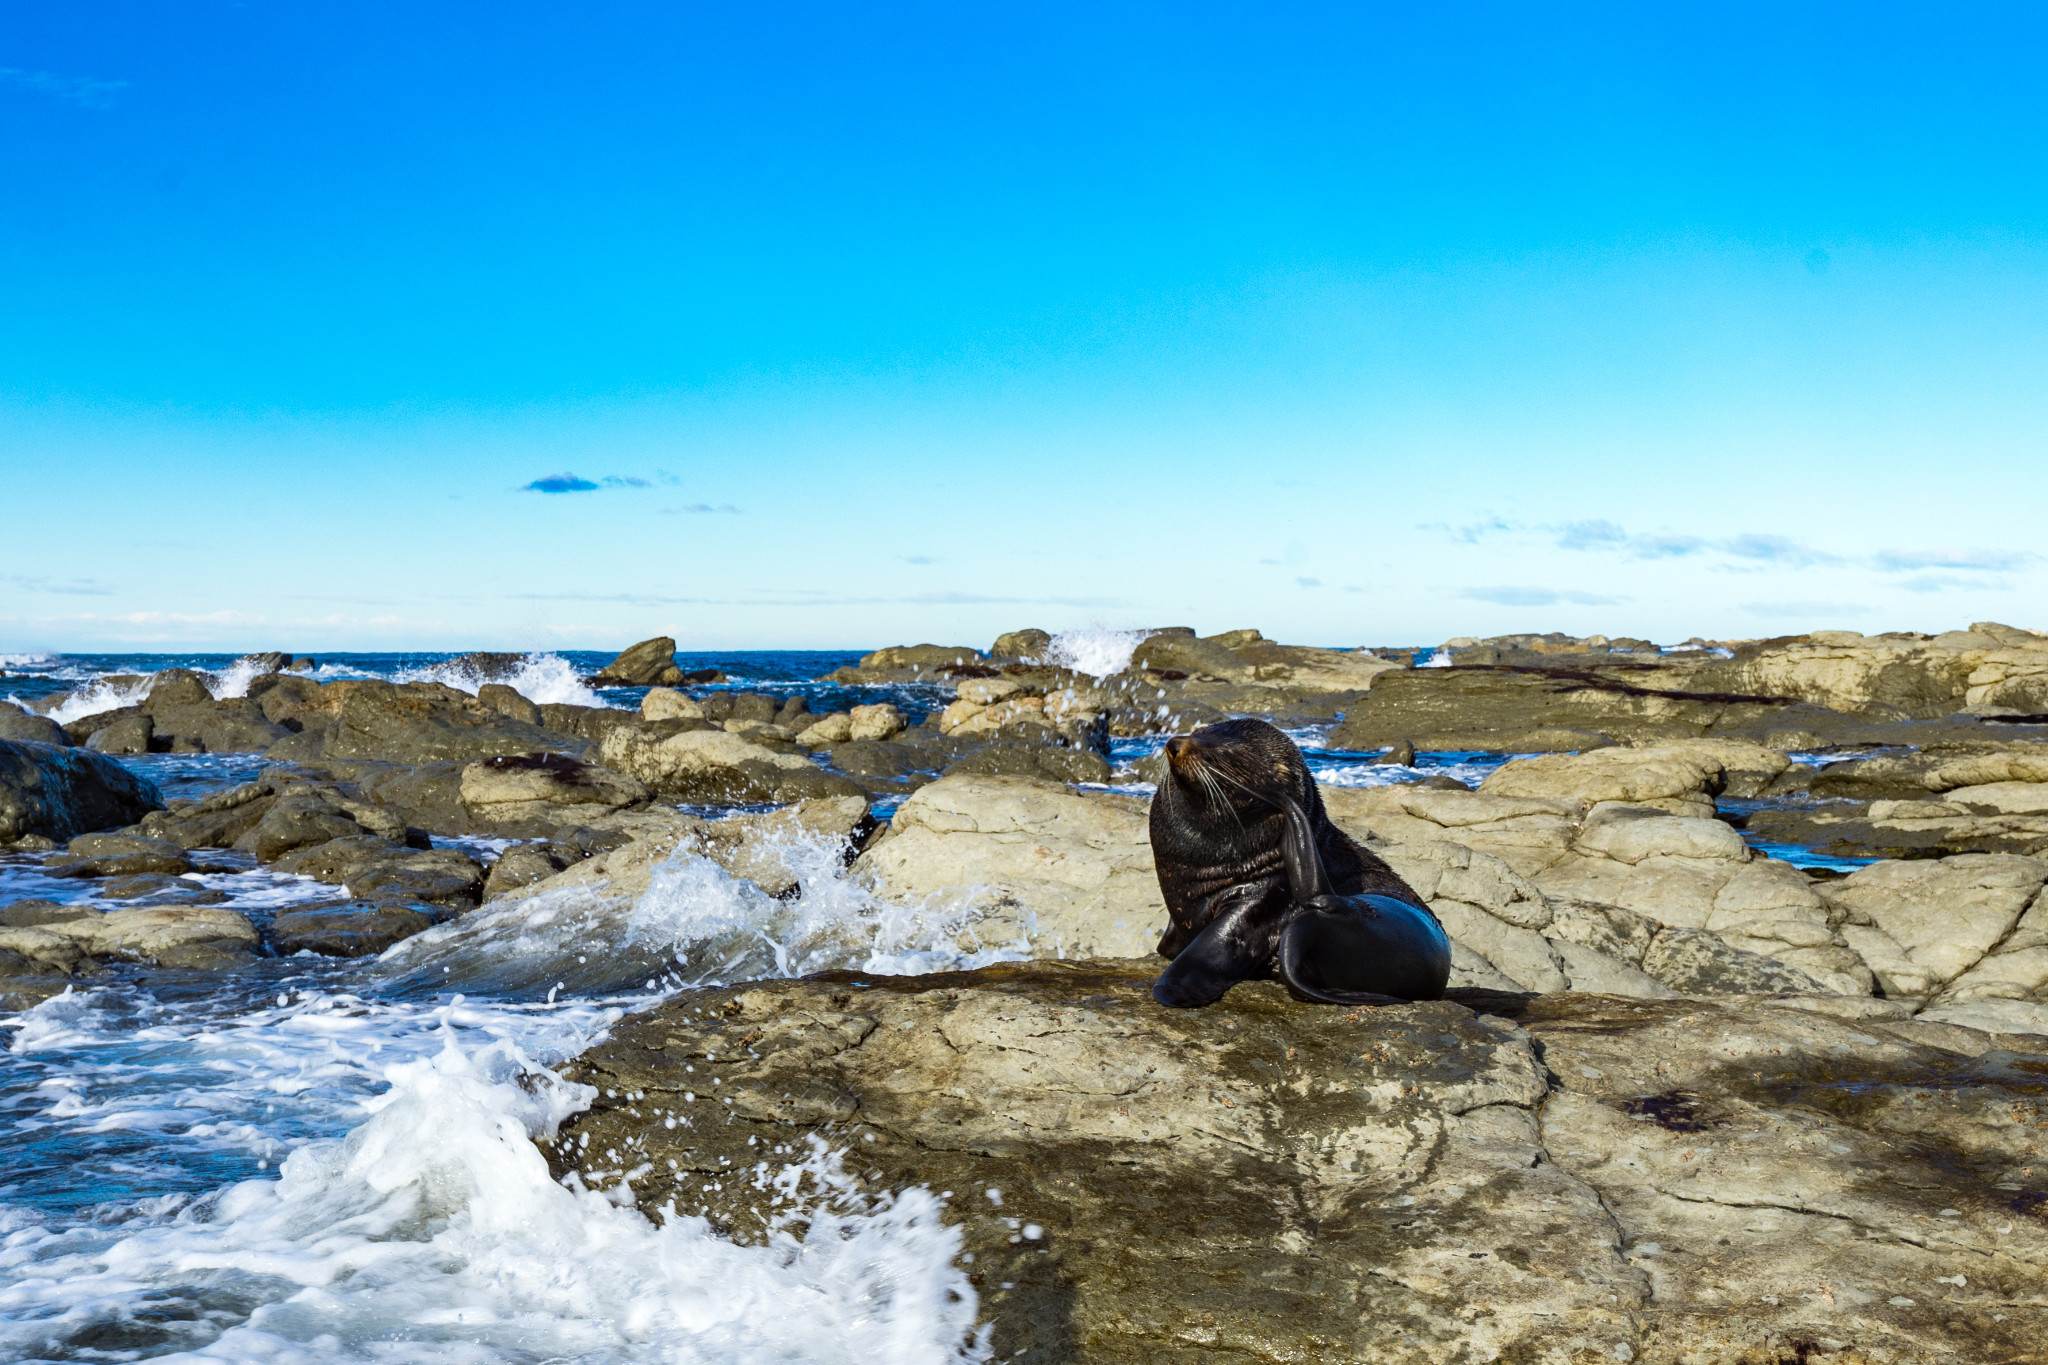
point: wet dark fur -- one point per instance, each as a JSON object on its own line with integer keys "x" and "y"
{"x": 1219, "y": 823}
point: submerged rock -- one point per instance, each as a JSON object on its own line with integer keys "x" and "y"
{"x": 60, "y": 793}
{"x": 1560, "y": 1178}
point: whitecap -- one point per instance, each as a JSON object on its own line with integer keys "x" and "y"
{"x": 545, "y": 679}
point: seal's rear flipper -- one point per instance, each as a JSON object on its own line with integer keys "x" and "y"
{"x": 1368, "y": 950}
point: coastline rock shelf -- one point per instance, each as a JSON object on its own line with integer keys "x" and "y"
{"x": 1496, "y": 1177}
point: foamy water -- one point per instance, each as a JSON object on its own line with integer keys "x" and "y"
{"x": 1094, "y": 650}
{"x": 546, "y": 679}
{"x": 411, "y": 1217}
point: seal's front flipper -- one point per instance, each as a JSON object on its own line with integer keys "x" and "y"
{"x": 1365, "y": 950}
{"x": 1306, "y": 879}
{"x": 1214, "y": 960}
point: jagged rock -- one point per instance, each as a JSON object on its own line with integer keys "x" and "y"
{"x": 1541, "y": 710}
{"x": 346, "y": 928}
{"x": 26, "y": 726}
{"x": 716, "y": 767}
{"x": 760, "y": 847}
{"x": 1302, "y": 667}
{"x": 585, "y": 722}
{"x": 1586, "y": 1179}
{"x": 1696, "y": 962}
{"x": 59, "y": 793}
{"x": 296, "y": 820}
{"x": 911, "y": 663}
{"x": 651, "y": 663}
{"x": 1185, "y": 656}
{"x": 370, "y": 866}
{"x": 1901, "y": 676}
{"x": 1528, "y": 833}
{"x": 426, "y": 722}
{"x": 554, "y": 787}
{"x": 216, "y": 822}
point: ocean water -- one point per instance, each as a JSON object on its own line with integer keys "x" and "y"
{"x": 315, "y": 1160}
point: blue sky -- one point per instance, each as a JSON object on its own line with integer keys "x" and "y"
{"x": 362, "y": 325}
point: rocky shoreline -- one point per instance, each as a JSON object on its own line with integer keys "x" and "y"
{"x": 1745, "y": 1056}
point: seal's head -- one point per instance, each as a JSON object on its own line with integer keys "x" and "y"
{"x": 1228, "y": 784}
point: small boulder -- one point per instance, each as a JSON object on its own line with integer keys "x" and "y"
{"x": 130, "y": 734}
{"x": 880, "y": 721}
{"x": 507, "y": 701}
{"x": 665, "y": 703}
{"x": 346, "y": 928}
{"x": 296, "y": 820}
{"x": 1020, "y": 644}
{"x": 836, "y": 728}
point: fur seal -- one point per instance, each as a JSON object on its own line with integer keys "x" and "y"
{"x": 1259, "y": 883}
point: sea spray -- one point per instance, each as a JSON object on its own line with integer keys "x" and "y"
{"x": 432, "y": 1232}
{"x": 545, "y": 679}
{"x": 695, "y": 924}
{"x": 1094, "y": 650}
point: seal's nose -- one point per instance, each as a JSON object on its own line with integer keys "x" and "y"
{"x": 1177, "y": 747}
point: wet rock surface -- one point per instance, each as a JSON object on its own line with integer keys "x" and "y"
{"x": 1498, "y": 1177}
{"x": 59, "y": 792}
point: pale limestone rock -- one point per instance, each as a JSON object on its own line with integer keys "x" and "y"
{"x": 1015, "y": 711}
{"x": 1623, "y": 834}
{"x": 1528, "y": 833}
{"x": 158, "y": 933}
{"x": 1072, "y": 868}
{"x": 880, "y": 721}
{"x": 958, "y": 714}
{"x": 836, "y": 728}
{"x": 1898, "y": 974}
{"x": 988, "y": 691}
{"x": 1682, "y": 781}
{"x": 1997, "y": 767}
{"x": 2006, "y": 798}
{"x": 665, "y": 703}
{"x": 1453, "y": 872}
{"x": 1522, "y": 955}
{"x": 1595, "y": 972}
{"x": 1945, "y": 913}
{"x": 717, "y": 766}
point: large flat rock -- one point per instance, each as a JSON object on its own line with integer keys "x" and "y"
{"x": 1567, "y": 1178}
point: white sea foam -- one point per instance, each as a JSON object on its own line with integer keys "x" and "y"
{"x": 234, "y": 680}
{"x": 1094, "y": 650}
{"x": 1438, "y": 658}
{"x": 546, "y": 679}
{"x": 432, "y": 1232}
{"x": 10, "y": 663}
{"x": 696, "y": 924}
{"x": 101, "y": 694}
